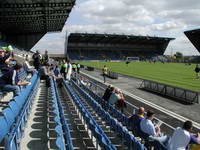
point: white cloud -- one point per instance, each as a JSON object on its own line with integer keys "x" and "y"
{"x": 139, "y": 17}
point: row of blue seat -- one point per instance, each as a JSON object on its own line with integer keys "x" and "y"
{"x": 62, "y": 125}
{"x": 122, "y": 118}
{"x": 132, "y": 142}
{"x": 15, "y": 115}
{"x": 116, "y": 113}
{"x": 97, "y": 131}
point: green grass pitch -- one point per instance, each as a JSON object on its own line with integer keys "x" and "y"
{"x": 176, "y": 74}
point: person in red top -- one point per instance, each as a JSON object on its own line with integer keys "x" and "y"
{"x": 121, "y": 102}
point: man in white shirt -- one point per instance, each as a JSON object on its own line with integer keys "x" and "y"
{"x": 28, "y": 68}
{"x": 182, "y": 137}
{"x": 147, "y": 126}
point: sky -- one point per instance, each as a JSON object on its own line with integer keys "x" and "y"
{"x": 165, "y": 18}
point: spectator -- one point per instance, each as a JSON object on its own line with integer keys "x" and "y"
{"x": 134, "y": 120}
{"x": 108, "y": 92}
{"x": 63, "y": 69}
{"x": 4, "y": 60}
{"x": 10, "y": 82}
{"x": 114, "y": 97}
{"x": 69, "y": 70}
{"x": 37, "y": 60}
{"x": 45, "y": 58}
{"x": 147, "y": 126}
{"x": 121, "y": 102}
{"x": 27, "y": 67}
{"x": 56, "y": 71}
{"x": 45, "y": 73}
{"x": 182, "y": 137}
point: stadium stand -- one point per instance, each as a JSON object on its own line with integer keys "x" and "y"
{"x": 194, "y": 37}
{"x": 129, "y": 141}
{"x": 84, "y": 46}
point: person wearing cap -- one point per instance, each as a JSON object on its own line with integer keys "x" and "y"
{"x": 10, "y": 81}
{"x": 182, "y": 137}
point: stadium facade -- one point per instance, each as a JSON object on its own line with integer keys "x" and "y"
{"x": 84, "y": 46}
{"x": 24, "y": 22}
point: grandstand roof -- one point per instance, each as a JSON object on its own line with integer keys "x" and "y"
{"x": 115, "y": 39}
{"x": 81, "y": 41}
{"x": 28, "y": 16}
{"x": 194, "y": 37}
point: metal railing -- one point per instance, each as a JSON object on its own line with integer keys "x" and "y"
{"x": 183, "y": 95}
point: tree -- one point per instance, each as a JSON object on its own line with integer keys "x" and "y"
{"x": 179, "y": 56}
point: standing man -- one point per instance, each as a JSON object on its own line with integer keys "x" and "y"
{"x": 36, "y": 60}
{"x": 45, "y": 58}
{"x": 69, "y": 70}
{"x": 105, "y": 73}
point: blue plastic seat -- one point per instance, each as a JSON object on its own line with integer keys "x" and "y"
{"x": 4, "y": 129}
{"x": 60, "y": 143}
{"x": 18, "y": 100}
{"x": 9, "y": 115}
{"x": 59, "y": 130}
{"x": 14, "y": 107}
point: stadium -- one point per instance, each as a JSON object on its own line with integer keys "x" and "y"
{"x": 104, "y": 92}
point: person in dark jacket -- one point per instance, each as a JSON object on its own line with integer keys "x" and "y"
{"x": 107, "y": 93}
{"x": 4, "y": 60}
{"x": 10, "y": 81}
{"x": 37, "y": 60}
{"x": 45, "y": 58}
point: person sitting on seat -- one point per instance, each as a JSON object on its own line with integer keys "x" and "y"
{"x": 114, "y": 97}
{"x": 4, "y": 60}
{"x": 134, "y": 120}
{"x": 182, "y": 137}
{"x": 27, "y": 67}
{"x": 10, "y": 82}
{"x": 147, "y": 126}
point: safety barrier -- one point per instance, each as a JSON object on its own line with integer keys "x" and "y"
{"x": 183, "y": 95}
{"x": 15, "y": 116}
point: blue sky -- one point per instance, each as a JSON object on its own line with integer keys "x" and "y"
{"x": 155, "y": 18}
